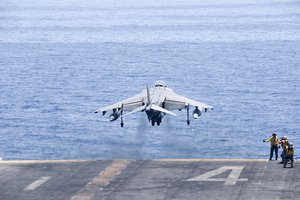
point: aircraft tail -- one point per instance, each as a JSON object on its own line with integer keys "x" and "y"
{"x": 136, "y": 110}
{"x": 158, "y": 108}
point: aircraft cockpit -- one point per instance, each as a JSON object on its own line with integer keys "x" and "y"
{"x": 160, "y": 84}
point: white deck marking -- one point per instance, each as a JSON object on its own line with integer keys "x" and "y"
{"x": 102, "y": 180}
{"x": 37, "y": 183}
{"x": 211, "y": 160}
{"x": 230, "y": 180}
{"x": 25, "y": 162}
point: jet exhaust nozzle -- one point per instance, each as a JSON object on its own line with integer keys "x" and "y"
{"x": 114, "y": 116}
{"x": 196, "y": 113}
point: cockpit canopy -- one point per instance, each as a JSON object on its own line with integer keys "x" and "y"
{"x": 160, "y": 84}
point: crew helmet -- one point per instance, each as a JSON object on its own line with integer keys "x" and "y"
{"x": 291, "y": 144}
{"x": 283, "y": 138}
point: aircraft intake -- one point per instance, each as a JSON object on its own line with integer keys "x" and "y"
{"x": 196, "y": 113}
{"x": 114, "y": 116}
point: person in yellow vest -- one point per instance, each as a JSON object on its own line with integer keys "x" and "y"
{"x": 274, "y": 141}
{"x": 289, "y": 155}
{"x": 284, "y": 143}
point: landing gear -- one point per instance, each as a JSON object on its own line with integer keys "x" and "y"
{"x": 158, "y": 121}
{"x": 122, "y": 123}
{"x": 188, "y": 114}
{"x": 152, "y": 122}
{"x": 155, "y": 120}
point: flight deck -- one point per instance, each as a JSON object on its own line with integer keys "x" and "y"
{"x": 172, "y": 179}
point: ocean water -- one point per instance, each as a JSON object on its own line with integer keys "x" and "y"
{"x": 61, "y": 60}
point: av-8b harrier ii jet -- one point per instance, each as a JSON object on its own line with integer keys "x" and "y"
{"x": 156, "y": 102}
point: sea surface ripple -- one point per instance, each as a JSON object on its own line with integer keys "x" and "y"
{"x": 61, "y": 60}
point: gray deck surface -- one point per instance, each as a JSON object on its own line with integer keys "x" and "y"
{"x": 149, "y": 180}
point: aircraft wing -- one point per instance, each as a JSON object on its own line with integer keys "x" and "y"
{"x": 127, "y": 104}
{"x": 175, "y": 101}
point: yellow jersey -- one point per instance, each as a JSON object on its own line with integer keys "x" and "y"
{"x": 273, "y": 140}
{"x": 289, "y": 151}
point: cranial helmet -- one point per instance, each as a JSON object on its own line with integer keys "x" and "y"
{"x": 291, "y": 145}
{"x": 284, "y": 138}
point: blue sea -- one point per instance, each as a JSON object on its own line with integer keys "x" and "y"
{"x": 62, "y": 60}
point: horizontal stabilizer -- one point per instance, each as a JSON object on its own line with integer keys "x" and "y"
{"x": 158, "y": 108}
{"x": 135, "y": 110}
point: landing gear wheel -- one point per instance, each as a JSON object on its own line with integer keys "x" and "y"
{"x": 158, "y": 123}
{"x": 153, "y": 122}
{"x": 122, "y": 124}
{"x": 188, "y": 114}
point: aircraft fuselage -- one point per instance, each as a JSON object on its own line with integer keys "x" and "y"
{"x": 157, "y": 97}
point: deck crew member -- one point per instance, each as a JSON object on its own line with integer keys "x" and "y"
{"x": 284, "y": 143}
{"x": 274, "y": 141}
{"x": 289, "y": 155}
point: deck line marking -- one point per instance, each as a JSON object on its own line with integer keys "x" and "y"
{"x": 102, "y": 180}
{"x": 157, "y": 160}
{"x": 233, "y": 177}
{"x": 211, "y": 160}
{"x": 19, "y": 162}
{"x": 37, "y": 183}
